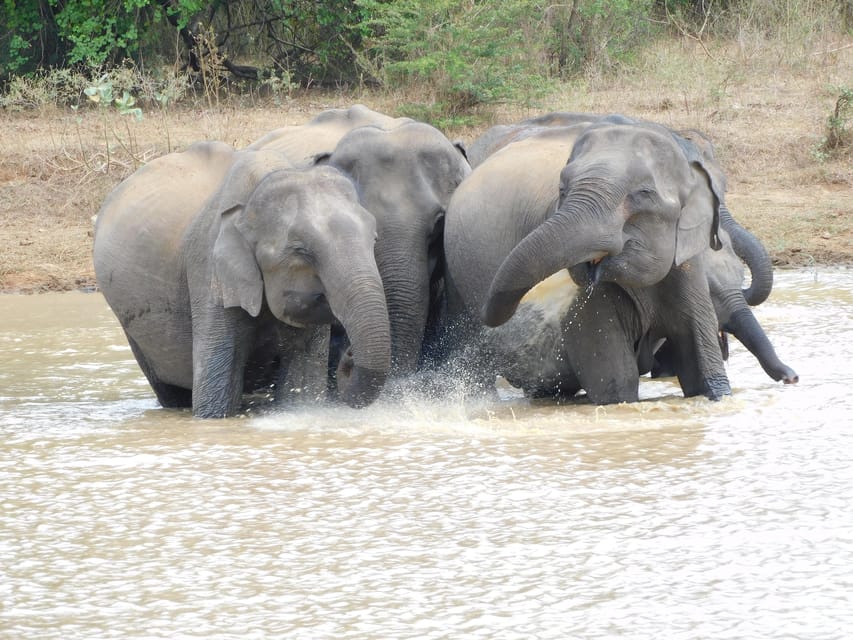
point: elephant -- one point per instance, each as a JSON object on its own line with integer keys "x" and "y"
{"x": 693, "y": 142}
{"x": 226, "y": 268}
{"x": 301, "y": 143}
{"x": 406, "y": 177}
{"x": 406, "y": 172}
{"x": 630, "y": 216}
{"x": 725, "y": 274}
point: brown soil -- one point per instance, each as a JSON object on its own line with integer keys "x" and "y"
{"x": 58, "y": 165}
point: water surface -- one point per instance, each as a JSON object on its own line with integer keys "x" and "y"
{"x": 424, "y": 517}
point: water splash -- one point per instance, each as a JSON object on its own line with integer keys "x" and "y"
{"x": 579, "y": 303}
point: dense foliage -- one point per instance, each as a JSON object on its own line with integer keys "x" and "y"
{"x": 309, "y": 39}
{"x": 460, "y": 53}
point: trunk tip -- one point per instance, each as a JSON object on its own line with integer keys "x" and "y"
{"x": 500, "y": 307}
{"x": 358, "y": 386}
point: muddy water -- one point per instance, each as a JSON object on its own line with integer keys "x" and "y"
{"x": 426, "y": 517}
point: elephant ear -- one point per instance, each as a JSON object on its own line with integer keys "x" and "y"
{"x": 700, "y": 218}
{"x": 698, "y": 227}
{"x": 461, "y": 148}
{"x": 235, "y": 271}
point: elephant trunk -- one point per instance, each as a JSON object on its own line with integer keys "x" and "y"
{"x": 405, "y": 277}
{"x": 744, "y": 326}
{"x": 574, "y": 235}
{"x": 358, "y": 301}
{"x": 752, "y": 252}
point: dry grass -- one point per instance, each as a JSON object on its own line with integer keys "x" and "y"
{"x": 765, "y": 109}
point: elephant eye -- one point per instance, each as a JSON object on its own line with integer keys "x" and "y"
{"x": 298, "y": 252}
{"x": 643, "y": 194}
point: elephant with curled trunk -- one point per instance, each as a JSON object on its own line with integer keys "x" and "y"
{"x": 628, "y": 213}
{"x": 694, "y": 143}
{"x": 725, "y": 273}
{"x": 226, "y": 268}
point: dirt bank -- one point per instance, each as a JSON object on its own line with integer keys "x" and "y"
{"x": 58, "y": 165}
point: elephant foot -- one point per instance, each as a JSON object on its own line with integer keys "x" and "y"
{"x": 716, "y": 387}
{"x": 613, "y": 392}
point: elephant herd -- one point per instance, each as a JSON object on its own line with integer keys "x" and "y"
{"x": 566, "y": 252}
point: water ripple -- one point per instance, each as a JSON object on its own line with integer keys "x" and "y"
{"x": 430, "y": 517}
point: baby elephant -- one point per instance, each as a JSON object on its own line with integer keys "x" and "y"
{"x": 225, "y": 269}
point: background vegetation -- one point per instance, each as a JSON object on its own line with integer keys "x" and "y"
{"x": 92, "y": 89}
{"x": 453, "y": 56}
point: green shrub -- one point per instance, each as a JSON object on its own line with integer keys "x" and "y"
{"x": 459, "y": 54}
{"x": 56, "y": 87}
{"x": 596, "y": 36}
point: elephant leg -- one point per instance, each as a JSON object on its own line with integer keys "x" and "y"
{"x": 663, "y": 361}
{"x": 685, "y": 310}
{"x": 222, "y": 340}
{"x": 599, "y": 340}
{"x": 264, "y": 364}
{"x": 168, "y": 395}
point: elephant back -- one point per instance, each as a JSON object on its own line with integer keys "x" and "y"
{"x": 167, "y": 190}
{"x": 497, "y": 137}
{"x": 139, "y": 228}
{"x": 303, "y": 143}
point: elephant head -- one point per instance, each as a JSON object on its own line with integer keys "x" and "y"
{"x": 405, "y": 177}
{"x": 632, "y": 205}
{"x": 301, "y": 241}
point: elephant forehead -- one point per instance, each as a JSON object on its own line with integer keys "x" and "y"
{"x": 332, "y": 219}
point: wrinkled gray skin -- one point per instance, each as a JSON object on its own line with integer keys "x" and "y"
{"x": 405, "y": 172}
{"x": 629, "y": 213}
{"x": 303, "y": 143}
{"x": 725, "y": 273}
{"x": 406, "y": 177}
{"x": 225, "y": 270}
{"x": 530, "y": 349}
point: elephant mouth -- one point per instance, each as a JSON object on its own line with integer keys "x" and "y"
{"x": 300, "y": 310}
{"x": 634, "y": 266}
{"x": 594, "y": 270}
{"x": 590, "y": 272}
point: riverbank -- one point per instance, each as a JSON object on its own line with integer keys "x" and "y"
{"x": 767, "y": 122}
